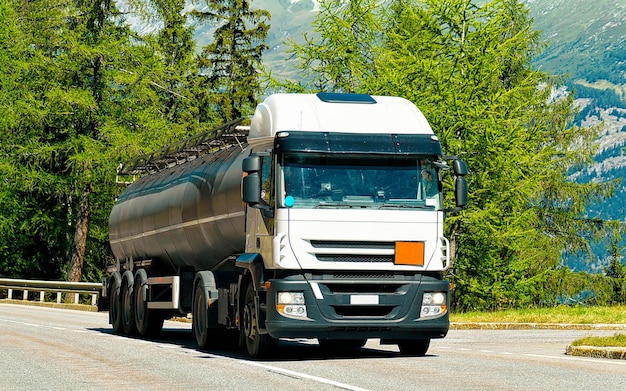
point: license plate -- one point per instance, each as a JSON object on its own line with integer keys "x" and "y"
{"x": 363, "y": 299}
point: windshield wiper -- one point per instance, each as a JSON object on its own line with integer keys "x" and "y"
{"x": 332, "y": 205}
{"x": 407, "y": 206}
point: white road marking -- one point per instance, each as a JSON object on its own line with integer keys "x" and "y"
{"x": 566, "y": 358}
{"x": 570, "y": 358}
{"x": 292, "y": 374}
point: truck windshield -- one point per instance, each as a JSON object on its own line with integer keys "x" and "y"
{"x": 337, "y": 181}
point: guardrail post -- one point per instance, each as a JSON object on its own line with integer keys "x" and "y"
{"x": 62, "y": 288}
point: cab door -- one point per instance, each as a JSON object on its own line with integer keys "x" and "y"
{"x": 260, "y": 220}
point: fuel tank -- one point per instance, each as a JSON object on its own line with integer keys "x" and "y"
{"x": 187, "y": 215}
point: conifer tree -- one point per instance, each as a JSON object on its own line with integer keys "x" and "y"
{"x": 65, "y": 149}
{"x": 341, "y": 53}
{"x": 18, "y": 109}
{"x": 86, "y": 99}
{"x": 229, "y": 65}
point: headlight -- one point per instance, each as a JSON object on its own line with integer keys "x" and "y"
{"x": 291, "y": 304}
{"x": 433, "y": 304}
{"x": 436, "y": 298}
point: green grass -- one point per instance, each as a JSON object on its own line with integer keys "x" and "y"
{"x": 561, "y": 314}
{"x": 618, "y": 340}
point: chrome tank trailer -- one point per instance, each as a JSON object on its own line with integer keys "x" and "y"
{"x": 187, "y": 215}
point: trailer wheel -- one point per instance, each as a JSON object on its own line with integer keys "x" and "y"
{"x": 149, "y": 322}
{"x": 417, "y": 347}
{"x": 128, "y": 305}
{"x": 258, "y": 345}
{"x": 115, "y": 304}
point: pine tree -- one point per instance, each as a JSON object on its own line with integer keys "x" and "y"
{"x": 17, "y": 108}
{"x": 230, "y": 64}
{"x": 616, "y": 271}
{"x": 87, "y": 95}
{"x": 341, "y": 53}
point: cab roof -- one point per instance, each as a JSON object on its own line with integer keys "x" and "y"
{"x": 333, "y": 112}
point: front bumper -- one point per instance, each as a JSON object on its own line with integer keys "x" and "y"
{"x": 392, "y": 309}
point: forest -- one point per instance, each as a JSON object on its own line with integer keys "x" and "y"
{"x": 82, "y": 92}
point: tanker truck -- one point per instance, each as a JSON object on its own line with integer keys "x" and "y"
{"x": 322, "y": 219}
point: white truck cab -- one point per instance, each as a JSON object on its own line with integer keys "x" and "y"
{"x": 346, "y": 215}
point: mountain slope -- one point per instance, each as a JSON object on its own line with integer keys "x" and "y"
{"x": 587, "y": 38}
{"x": 587, "y": 45}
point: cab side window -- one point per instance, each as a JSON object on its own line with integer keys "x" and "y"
{"x": 266, "y": 179}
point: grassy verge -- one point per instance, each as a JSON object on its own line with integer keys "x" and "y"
{"x": 561, "y": 314}
{"x": 618, "y": 340}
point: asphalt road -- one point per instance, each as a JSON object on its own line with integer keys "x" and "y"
{"x": 56, "y": 349}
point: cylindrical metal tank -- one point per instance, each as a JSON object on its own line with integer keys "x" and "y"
{"x": 187, "y": 215}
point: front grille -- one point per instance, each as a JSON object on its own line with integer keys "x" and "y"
{"x": 362, "y": 288}
{"x": 351, "y": 244}
{"x": 355, "y": 275}
{"x": 354, "y": 258}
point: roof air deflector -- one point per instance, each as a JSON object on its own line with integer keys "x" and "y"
{"x": 333, "y": 97}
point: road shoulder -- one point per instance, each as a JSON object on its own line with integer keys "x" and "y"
{"x": 585, "y": 351}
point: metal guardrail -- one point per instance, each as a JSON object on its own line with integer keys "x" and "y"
{"x": 58, "y": 287}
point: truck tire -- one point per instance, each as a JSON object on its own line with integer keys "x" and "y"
{"x": 208, "y": 336}
{"x": 200, "y": 318}
{"x": 258, "y": 345}
{"x": 149, "y": 323}
{"x": 416, "y": 347}
{"x": 115, "y": 303}
{"x": 341, "y": 344}
{"x": 128, "y": 304}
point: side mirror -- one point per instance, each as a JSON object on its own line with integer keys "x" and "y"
{"x": 459, "y": 167}
{"x": 251, "y": 164}
{"x": 251, "y": 185}
{"x": 251, "y": 189}
{"x": 460, "y": 184}
{"x": 460, "y": 191}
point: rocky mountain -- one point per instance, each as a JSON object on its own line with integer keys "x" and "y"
{"x": 587, "y": 45}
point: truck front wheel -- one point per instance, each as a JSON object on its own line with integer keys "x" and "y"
{"x": 257, "y": 344}
{"x": 417, "y": 347}
{"x": 341, "y": 344}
